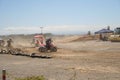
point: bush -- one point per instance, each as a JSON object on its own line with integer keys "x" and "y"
{"x": 32, "y": 78}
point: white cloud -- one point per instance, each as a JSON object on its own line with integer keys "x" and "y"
{"x": 63, "y": 29}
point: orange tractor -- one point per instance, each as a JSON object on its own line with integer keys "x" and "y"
{"x": 44, "y": 44}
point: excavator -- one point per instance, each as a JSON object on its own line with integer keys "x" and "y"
{"x": 116, "y": 36}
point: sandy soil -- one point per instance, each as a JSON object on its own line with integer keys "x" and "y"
{"x": 74, "y": 60}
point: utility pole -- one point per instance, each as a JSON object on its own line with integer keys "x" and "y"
{"x": 41, "y": 30}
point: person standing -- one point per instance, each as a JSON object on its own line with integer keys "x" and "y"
{"x": 9, "y": 43}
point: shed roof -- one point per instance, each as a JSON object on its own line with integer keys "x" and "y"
{"x": 104, "y": 31}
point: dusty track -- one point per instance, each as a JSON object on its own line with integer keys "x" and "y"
{"x": 83, "y": 60}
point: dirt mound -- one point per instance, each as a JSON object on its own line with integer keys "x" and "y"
{"x": 66, "y": 39}
{"x": 83, "y": 38}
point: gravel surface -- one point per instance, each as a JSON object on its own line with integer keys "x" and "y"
{"x": 89, "y": 60}
{"x": 92, "y": 67}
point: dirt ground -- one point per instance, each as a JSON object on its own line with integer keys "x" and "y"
{"x": 74, "y": 60}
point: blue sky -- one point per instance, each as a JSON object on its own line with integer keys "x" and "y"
{"x": 58, "y": 16}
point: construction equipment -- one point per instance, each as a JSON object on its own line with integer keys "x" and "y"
{"x": 116, "y": 36}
